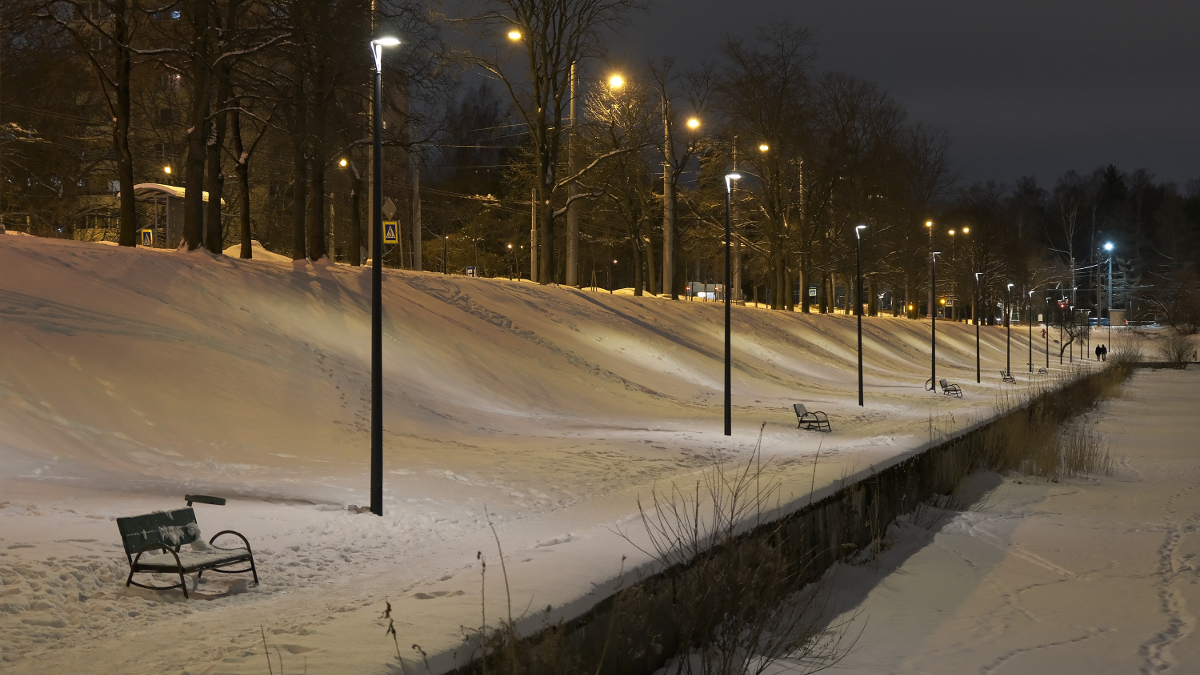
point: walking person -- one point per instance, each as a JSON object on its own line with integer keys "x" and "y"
{"x": 1103, "y": 353}
{"x": 1098, "y": 352}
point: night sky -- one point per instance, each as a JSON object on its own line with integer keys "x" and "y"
{"x": 1025, "y": 87}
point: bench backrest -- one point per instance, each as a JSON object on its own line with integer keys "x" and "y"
{"x": 943, "y": 383}
{"x": 801, "y": 411}
{"x": 169, "y": 528}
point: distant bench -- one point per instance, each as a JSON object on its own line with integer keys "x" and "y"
{"x": 167, "y": 532}
{"x": 950, "y": 389}
{"x": 1007, "y": 377}
{"x": 814, "y": 420}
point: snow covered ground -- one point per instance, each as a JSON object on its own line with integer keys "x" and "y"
{"x": 131, "y": 377}
{"x": 1085, "y": 576}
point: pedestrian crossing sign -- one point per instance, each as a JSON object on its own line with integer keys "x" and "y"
{"x": 147, "y": 237}
{"x": 391, "y": 232}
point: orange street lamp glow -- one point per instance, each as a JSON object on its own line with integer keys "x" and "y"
{"x": 514, "y": 35}
{"x": 342, "y": 163}
{"x": 167, "y": 170}
{"x": 616, "y": 82}
{"x": 929, "y": 223}
{"x": 966, "y": 230}
{"x": 951, "y": 233}
{"x": 693, "y": 123}
{"x": 763, "y": 147}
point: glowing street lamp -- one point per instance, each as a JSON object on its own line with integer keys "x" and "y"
{"x": 514, "y": 35}
{"x": 342, "y": 163}
{"x": 377, "y": 46}
{"x": 167, "y": 170}
{"x": 616, "y": 82}
{"x": 693, "y": 123}
{"x": 729, "y": 178}
{"x": 763, "y": 147}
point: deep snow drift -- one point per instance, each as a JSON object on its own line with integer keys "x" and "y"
{"x": 1094, "y": 575}
{"x": 131, "y": 377}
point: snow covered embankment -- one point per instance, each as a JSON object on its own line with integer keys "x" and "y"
{"x": 130, "y": 377}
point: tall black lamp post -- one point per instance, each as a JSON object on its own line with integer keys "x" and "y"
{"x": 976, "y": 313}
{"x": 858, "y": 309}
{"x": 377, "y": 280}
{"x": 932, "y": 310}
{"x": 1008, "y": 339}
{"x": 1029, "y": 319}
{"x": 729, "y": 178}
{"x": 1108, "y": 246}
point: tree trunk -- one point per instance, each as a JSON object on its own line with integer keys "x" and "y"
{"x": 300, "y": 198}
{"x": 650, "y": 277}
{"x": 355, "y": 243}
{"x": 316, "y": 207}
{"x": 127, "y": 235}
{"x": 193, "y": 200}
{"x": 242, "y": 170}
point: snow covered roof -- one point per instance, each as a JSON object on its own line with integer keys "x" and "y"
{"x": 145, "y": 192}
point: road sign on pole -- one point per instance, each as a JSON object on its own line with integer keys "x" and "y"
{"x": 389, "y": 208}
{"x": 147, "y": 237}
{"x": 391, "y": 231}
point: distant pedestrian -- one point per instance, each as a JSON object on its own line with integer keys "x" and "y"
{"x": 1097, "y": 352}
{"x": 1103, "y": 353}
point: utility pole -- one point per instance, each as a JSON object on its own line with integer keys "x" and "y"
{"x": 572, "y": 190}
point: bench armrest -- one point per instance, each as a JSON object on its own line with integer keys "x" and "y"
{"x": 236, "y": 534}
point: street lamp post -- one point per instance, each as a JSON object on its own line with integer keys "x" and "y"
{"x": 1008, "y": 339}
{"x": 1108, "y": 246}
{"x": 729, "y": 178}
{"x": 1029, "y": 320}
{"x": 377, "y": 280}
{"x": 932, "y": 310}
{"x": 858, "y": 305}
{"x": 976, "y": 313}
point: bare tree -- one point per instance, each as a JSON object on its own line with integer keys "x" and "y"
{"x": 552, "y": 35}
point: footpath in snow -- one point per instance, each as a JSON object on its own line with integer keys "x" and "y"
{"x": 129, "y": 378}
{"x": 1091, "y": 576}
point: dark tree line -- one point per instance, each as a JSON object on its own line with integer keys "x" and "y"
{"x": 620, "y": 185}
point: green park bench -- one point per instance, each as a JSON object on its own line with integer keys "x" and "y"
{"x": 166, "y": 532}
{"x": 811, "y": 419}
{"x": 950, "y": 388}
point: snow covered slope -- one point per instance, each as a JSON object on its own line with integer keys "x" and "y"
{"x": 131, "y": 377}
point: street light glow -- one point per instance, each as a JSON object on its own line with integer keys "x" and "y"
{"x": 514, "y": 35}
{"x": 966, "y": 230}
{"x": 342, "y": 163}
{"x": 729, "y": 178}
{"x": 763, "y": 147}
{"x": 858, "y": 230}
{"x": 386, "y": 41}
{"x": 166, "y": 169}
{"x": 951, "y": 233}
{"x": 929, "y": 223}
{"x": 1108, "y": 246}
{"x": 616, "y": 82}
{"x": 693, "y": 123}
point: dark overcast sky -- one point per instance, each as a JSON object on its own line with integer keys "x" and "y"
{"x": 1025, "y": 87}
